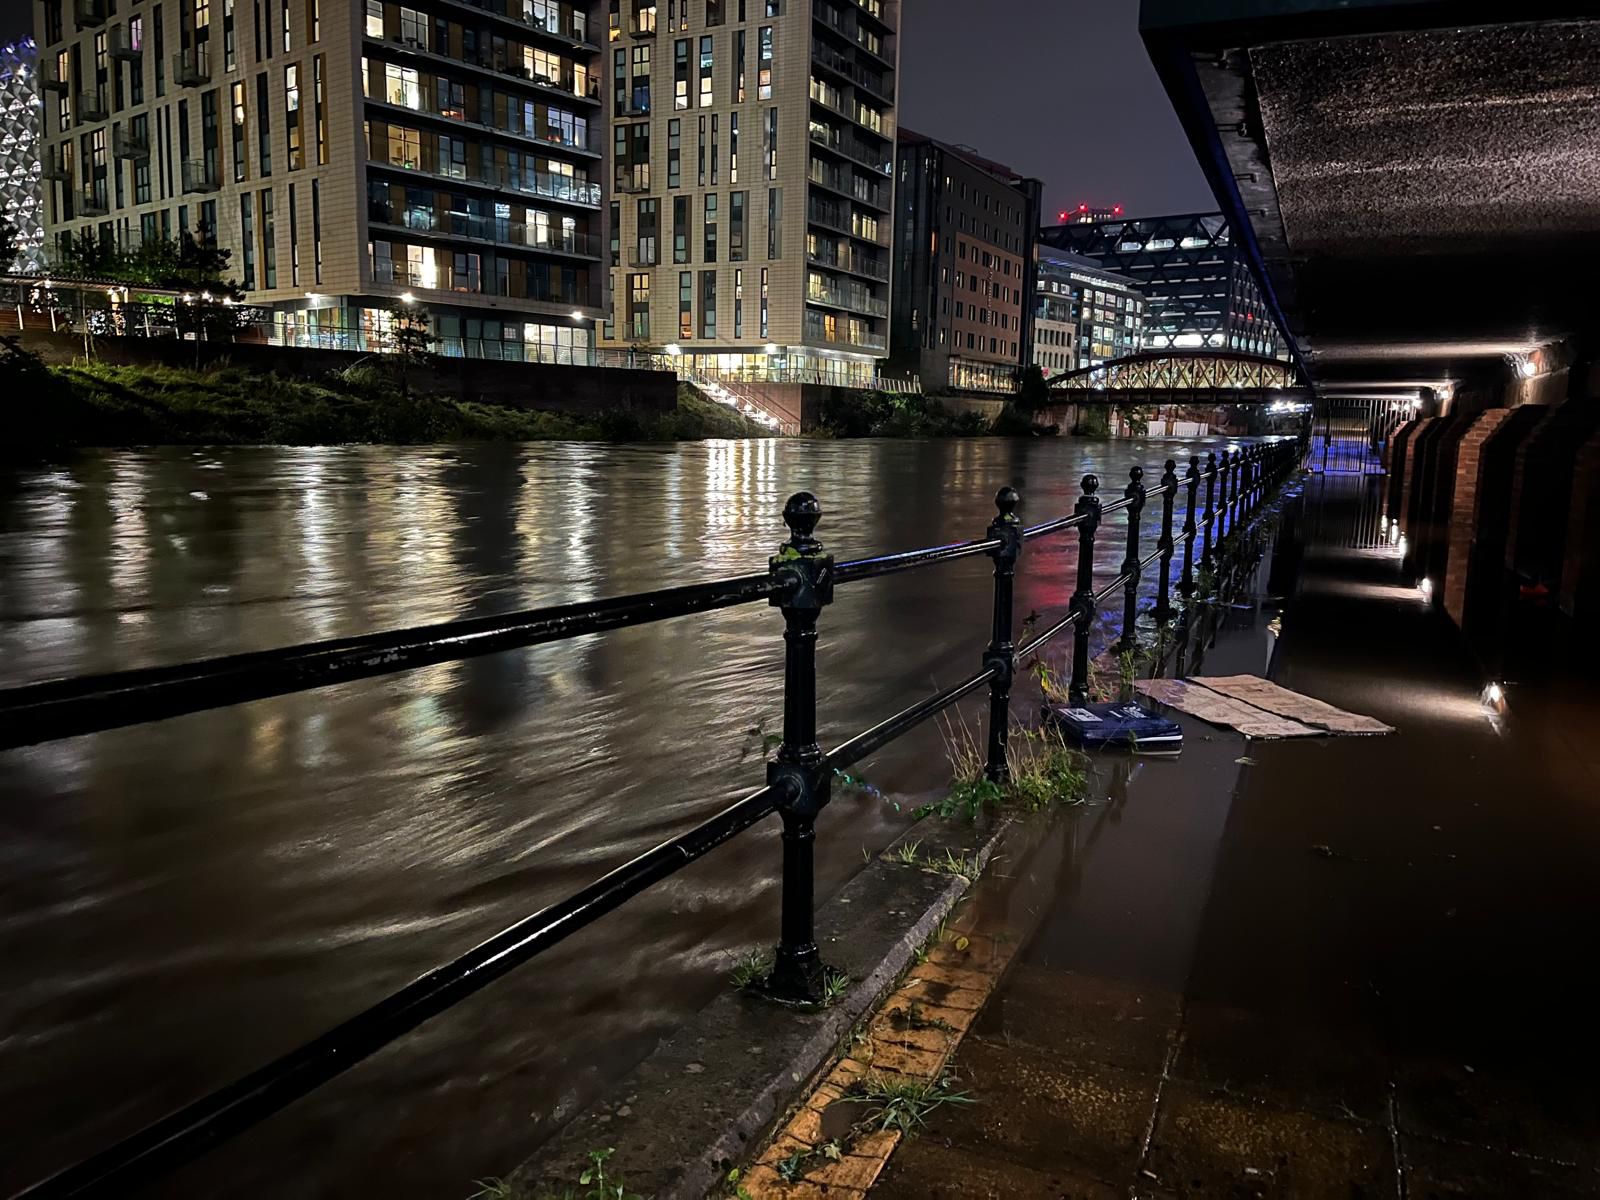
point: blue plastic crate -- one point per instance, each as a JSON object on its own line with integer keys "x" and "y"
{"x": 1119, "y": 725}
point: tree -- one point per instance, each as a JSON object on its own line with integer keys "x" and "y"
{"x": 8, "y": 245}
{"x": 1033, "y": 393}
{"x": 410, "y": 339}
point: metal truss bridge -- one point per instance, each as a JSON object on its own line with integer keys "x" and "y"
{"x": 1189, "y": 377}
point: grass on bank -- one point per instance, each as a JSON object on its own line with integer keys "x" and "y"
{"x": 98, "y": 404}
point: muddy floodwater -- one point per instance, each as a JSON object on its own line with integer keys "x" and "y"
{"x": 181, "y": 902}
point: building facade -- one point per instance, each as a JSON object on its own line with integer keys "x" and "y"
{"x": 1200, "y": 292}
{"x": 963, "y": 237}
{"x": 21, "y": 196}
{"x": 1105, "y": 310}
{"x": 752, "y": 151}
{"x": 351, "y": 154}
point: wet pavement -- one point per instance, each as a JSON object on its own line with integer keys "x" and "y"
{"x": 1341, "y": 967}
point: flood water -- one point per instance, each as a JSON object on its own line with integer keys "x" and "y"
{"x": 181, "y": 902}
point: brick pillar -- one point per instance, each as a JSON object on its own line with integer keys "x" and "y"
{"x": 1463, "y": 527}
{"x": 1410, "y": 467}
{"x": 1580, "y": 565}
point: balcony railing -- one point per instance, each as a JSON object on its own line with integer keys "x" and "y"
{"x": 125, "y": 143}
{"x": 400, "y": 97}
{"x": 92, "y": 202}
{"x": 89, "y": 12}
{"x": 200, "y": 176}
{"x": 846, "y": 184}
{"x": 850, "y": 298}
{"x": 545, "y": 184}
{"x": 647, "y": 257}
{"x": 192, "y": 66}
{"x": 92, "y": 105}
{"x": 512, "y": 10}
{"x": 122, "y": 43}
{"x": 842, "y": 335}
{"x": 856, "y": 264}
{"x": 852, "y": 147}
{"x": 52, "y": 76}
{"x": 486, "y": 229}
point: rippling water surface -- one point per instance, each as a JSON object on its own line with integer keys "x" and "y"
{"x": 181, "y": 901}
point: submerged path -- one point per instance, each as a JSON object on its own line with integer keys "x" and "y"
{"x": 1342, "y": 967}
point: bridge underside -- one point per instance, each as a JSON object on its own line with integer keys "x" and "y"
{"x": 1197, "y": 397}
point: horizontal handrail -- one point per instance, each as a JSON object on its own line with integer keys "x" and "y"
{"x": 905, "y": 560}
{"x": 64, "y": 708}
{"x": 199, "y": 1126}
{"x": 907, "y": 719}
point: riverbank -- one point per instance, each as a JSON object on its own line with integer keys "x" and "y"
{"x": 95, "y": 404}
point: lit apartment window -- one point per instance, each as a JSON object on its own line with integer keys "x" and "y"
{"x": 680, "y": 74}
{"x": 764, "y": 63}
{"x": 291, "y": 119}
{"x": 763, "y": 302}
{"x": 706, "y": 65}
{"x": 738, "y": 304}
{"x": 685, "y": 305}
{"x": 770, "y": 146}
{"x": 401, "y": 86}
{"x": 639, "y": 305}
{"x": 738, "y": 67}
{"x": 733, "y": 147}
{"x": 374, "y": 18}
{"x": 241, "y": 168}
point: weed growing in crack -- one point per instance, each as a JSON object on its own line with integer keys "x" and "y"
{"x": 751, "y": 970}
{"x": 903, "y": 1104}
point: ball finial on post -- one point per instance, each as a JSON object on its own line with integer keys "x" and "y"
{"x": 801, "y": 514}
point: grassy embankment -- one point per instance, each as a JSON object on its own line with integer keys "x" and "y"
{"x": 99, "y": 405}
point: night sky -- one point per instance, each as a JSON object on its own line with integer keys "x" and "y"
{"x": 1059, "y": 89}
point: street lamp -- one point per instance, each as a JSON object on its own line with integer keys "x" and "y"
{"x": 407, "y": 298}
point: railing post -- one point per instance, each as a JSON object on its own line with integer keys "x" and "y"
{"x": 1192, "y": 479}
{"x": 1237, "y": 494}
{"x": 1211, "y": 492}
{"x": 1224, "y": 474}
{"x": 1169, "y": 496}
{"x": 1134, "y": 493}
{"x": 1001, "y": 655}
{"x": 798, "y": 773}
{"x": 1082, "y": 604}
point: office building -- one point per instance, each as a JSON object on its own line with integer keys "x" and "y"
{"x": 1198, "y": 287}
{"x": 963, "y": 239}
{"x": 1106, "y": 311}
{"x": 752, "y": 147}
{"x": 20, "y": 182}
{"x": 351, "y": 154}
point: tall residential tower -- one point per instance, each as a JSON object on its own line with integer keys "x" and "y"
{"x": 752, "y": 147}
{"x": 351, "y": 154}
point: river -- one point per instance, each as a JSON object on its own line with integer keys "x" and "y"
{"x": 182, "y": 901}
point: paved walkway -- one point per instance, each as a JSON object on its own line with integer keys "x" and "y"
{"x": 1348, "y": 967}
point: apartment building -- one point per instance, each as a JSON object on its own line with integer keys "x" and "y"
{"x": 964, "y": 235}
{"x": 752, "y": 148}
{"x": 352, "y": 154}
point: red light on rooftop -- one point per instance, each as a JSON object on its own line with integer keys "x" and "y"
{"x": 1062, "y": 215}
{"x": 1116, "y": 210}
{"x": 1083, "y": 208}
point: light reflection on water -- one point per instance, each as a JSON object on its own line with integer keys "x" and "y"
{"x": 181, "y": 901}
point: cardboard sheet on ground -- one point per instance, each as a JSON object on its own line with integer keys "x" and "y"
{"x": 1222, "y": 710}
{"x": 1268, "y": 696}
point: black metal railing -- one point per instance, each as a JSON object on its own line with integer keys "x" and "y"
{"x": 800, "y": 581}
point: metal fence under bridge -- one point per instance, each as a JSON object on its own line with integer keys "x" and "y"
{"x": 1219, "y": 497}
{"x": 1182, "y": 377}
{"x": 1349, "y": 434}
